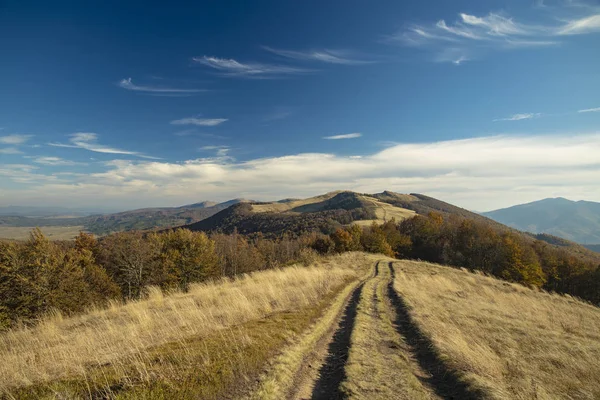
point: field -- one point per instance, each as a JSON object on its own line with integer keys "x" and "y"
{"x": 52, "y": 232}
{"x": 355, "y": 326}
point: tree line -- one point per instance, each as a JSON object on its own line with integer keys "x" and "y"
{"x": 38, "y": 276}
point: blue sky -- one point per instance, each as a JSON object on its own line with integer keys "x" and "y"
{"x": 483, "y": 104}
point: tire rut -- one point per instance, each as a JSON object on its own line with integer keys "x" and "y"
{"x": 441, "y": 379}
{"x": 332, "y": 372}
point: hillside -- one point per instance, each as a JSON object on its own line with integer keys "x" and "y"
{"x": 323, "y": 214}
{"x": 352, "y": 326}
{"x": 578, "y": 221}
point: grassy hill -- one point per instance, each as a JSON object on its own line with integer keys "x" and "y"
{"x": 578, "y": 221}
{"x": 353, "y": 326}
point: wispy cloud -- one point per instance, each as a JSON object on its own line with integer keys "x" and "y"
{"x": 494, "y": 31}
{"x": 587, "y": 110}
{"x": 89, "y": 141}
{"x": 580, "y": 26}
{"x": 55, "y": 161}
{"x": 519, "y": 117}
{"x": 345, "y": 136}
{"x": 161, "y": 90}
{"x": 10, "y": 150}
{"x": 199, "y": 121}
{"x": 326, "y": 56}
{"x": 15, "y": 140}
{"x": 221, "y": 151}
{"x": 233, "y": 68}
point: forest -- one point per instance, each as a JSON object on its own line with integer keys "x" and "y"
{"x": 39, "y": 276}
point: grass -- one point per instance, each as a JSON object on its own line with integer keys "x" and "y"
{"x": 203, "y": 343}
{"x": 380, "y": 365}
{"x": 510, "y": 341}
{"x": 51, "y": 232}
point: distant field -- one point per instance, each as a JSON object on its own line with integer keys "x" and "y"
{"x": 52, "y": 232}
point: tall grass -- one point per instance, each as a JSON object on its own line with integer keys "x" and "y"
{"x": 511, "y": 341}
{"x": 120, "y": 336}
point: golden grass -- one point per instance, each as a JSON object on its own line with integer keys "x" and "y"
{"x": 380, "y": 364}
{"x": 124, "y": 342}
{"x": 510, "y": 341}
{"x": 288, "y": 205}
{"x": 51, "y": 232}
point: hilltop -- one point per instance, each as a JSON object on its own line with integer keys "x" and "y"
{"x": 578, "y": 221}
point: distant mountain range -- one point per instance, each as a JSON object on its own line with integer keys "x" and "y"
{"x": 102, "y": 224}
{"x": 578, "y": 221}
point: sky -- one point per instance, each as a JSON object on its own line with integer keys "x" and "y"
{"x": 122, "y": 105}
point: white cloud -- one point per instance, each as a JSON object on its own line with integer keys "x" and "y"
{"x": 129, "y": 85}
{"x": 10, "y": 150}
{"x": 589, "y": 110}
{"x": 345, "y": 136}
{"x": 55, "y": 161}
{"x": 221, "y": 151}
{"x": 479, "y": 173}
{"x": 199, "y": 121}
{"x": 519, "y": 117}
{"x": 580, "y": 26}
{"x": 88, "y": 141}
{"x": 326, "y": 56}
{"x": 14, "y": 140}
{"x": 234, "y": 68}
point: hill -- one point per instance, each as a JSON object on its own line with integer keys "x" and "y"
{"x": 324, "y": 213}
{"x": 349, "y": 326}
{"x": 578, "y": 221}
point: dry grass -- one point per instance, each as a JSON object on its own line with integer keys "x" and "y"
{"x": 51, "y": 232}
{"x": 289, "y": 205}
{"x": 124, "y": 341}
{"x": 511, "y": 341}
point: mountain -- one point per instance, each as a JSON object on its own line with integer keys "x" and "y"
{"x": 324, "y": 213}
{"x": 578, "y": 221}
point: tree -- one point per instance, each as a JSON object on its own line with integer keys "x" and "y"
{"x": 184, "y": 257}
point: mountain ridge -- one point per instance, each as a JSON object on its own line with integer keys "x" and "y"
{"x": 577, "y": 221}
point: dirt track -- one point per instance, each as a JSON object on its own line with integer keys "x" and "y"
{"x": 375, "y": 351}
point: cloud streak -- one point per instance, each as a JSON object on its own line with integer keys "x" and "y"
{"x": 199, "y": 121}
{"x": 89, "y": 141}
{"x": 520, "y": 117}
{"x": 588, "y": 110}
{"x": 157, "y": 90}
{"x": 344, "y": 136}
{"x": 325, "y": 56}
{"x": 233, "y": 68}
